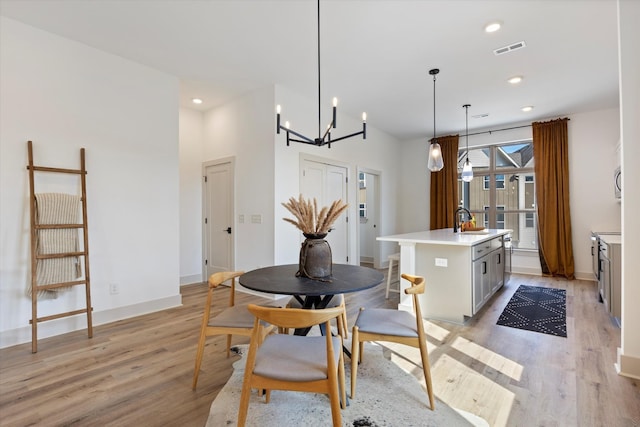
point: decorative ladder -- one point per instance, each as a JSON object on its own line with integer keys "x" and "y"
{"x": 35, "y": 257}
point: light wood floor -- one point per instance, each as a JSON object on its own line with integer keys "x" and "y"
{"x": 138, "y": 372}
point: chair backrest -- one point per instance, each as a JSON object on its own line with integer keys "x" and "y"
{"x": 293, "y": 318}
{"x": 417, "y": 288}
{"x": 220, "y": 277}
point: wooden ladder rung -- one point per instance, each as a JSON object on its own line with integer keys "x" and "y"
{"x": 59, "y": 315}
{"x": 60, "y": 255}
{"x": 59, "y": 285}
{"x": 57, "y": 226}
{"x": 58, "y": 170}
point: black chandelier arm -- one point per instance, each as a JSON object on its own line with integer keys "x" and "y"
{"x": 309, "y": 140}
{"x": 305, "y": 141}
{"x": 363, "y": 132}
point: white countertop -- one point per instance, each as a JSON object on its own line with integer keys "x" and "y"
{"x": 446, "y": 236}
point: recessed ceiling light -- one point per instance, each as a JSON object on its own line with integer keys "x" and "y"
{"x": 492, "y": 27}
{"x": 196, "y": 101}
{"x": 515, "y": 80}
{"x": 527, "y": 108}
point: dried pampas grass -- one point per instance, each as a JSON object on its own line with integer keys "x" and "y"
{"x": 308, "y": 219}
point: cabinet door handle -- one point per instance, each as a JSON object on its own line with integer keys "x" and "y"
{"x": 484, "y": 267}
{"x": 499, "y": 259}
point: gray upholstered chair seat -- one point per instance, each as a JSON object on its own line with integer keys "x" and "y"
{"x": 295, "y": 358}
{"x": 387, "y": 322}
{"x": 239, "y": 316}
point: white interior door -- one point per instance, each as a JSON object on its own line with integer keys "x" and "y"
{"x": 218, "y": 217}
{"x": 327, "y": 183}
{"x": 368, "y": 216}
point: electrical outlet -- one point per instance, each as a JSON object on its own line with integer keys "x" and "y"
{"x": 114, "y": 289}
{"x": 441, "y": 262}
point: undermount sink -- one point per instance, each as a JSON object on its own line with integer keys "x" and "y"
{"x": 485, "y": 231}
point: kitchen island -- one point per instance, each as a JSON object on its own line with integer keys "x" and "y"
{"x": 461, "y": 270}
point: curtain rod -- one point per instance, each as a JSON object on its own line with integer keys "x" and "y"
{"x": 498, "y": 130}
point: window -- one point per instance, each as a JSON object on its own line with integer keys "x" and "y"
{"x": 502, "y": 193}
{"x": 499, "y": 182}
{"x": 362, "y": 180}
{"x": 362, "y": 209}
{"x": 528, "y": 219}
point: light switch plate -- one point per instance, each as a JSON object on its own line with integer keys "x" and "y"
{"x": 441, "y": 262}
{"x": 256, "y": 219}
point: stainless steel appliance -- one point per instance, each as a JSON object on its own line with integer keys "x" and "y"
{"x": 508, "y": 252}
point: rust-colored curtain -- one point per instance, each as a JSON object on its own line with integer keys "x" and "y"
{"x": 443, "y": 201}
{"x": 551, "y": 154}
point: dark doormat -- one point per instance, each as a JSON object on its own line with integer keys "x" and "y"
{"x": 537, "y": 309}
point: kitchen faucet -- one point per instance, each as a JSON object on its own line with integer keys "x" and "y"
{"x": 455, "y": 218}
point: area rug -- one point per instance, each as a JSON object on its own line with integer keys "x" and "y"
{"x": 537, "y": 309}
{"x": 386, "y": 396}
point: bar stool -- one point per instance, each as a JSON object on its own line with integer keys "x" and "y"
{"x": 393, "y": 258}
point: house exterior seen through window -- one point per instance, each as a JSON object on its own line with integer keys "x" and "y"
{"x": 502, "y": 192}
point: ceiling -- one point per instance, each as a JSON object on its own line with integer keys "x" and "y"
{"x": 375, "y": 54}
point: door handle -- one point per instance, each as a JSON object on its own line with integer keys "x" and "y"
{"x": 228, "y": 230}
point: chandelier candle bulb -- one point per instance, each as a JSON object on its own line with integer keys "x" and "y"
{"x": 335, "y": 105}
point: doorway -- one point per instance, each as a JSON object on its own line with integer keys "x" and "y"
{"x": 368, "y": 217}
{"x": 217, "y": 206}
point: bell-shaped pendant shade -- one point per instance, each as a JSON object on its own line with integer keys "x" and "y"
{"x": 467, "y": 171}
{"x": 435, "y": 162}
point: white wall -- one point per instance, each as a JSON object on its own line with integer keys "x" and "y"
{"x": 64, "y": 95}
{"x": 593, "y": 138}
{"x": 244, "y": 129}
{"x": 629, "y": 34}
{"x": 191, "y": 154}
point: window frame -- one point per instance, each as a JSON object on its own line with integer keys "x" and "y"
{"x": 494, "y": 176}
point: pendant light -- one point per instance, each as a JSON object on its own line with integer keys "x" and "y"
{"x": 435, "y": 162}
{"x": 467, "y": 170}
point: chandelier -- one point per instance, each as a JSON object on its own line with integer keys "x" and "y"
{"x": 323, "y": 138}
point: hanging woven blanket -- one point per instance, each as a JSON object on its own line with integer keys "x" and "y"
{"x": 57, "y": 208}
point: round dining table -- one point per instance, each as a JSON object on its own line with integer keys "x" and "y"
{"x": 311, "y": 293}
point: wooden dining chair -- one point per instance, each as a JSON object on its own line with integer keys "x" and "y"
{"x": 382, "y": 324}
{"x": 233, "y": 320}
{"x": 297, "y": 363}
{"x": 336, "y": 301}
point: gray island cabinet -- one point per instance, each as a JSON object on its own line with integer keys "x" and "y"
{"x": 461, "y": 270}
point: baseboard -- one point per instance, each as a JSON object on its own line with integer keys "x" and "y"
{"x": 628, "y": 366}
{"x": 64, "y": 325}
{"x": 531, "y": 271}
{"x": 188, "y": 280}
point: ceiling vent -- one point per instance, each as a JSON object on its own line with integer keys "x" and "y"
{"x": 510, "y": 48}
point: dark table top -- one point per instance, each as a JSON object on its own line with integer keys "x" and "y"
{"x": 281, "y": 279}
